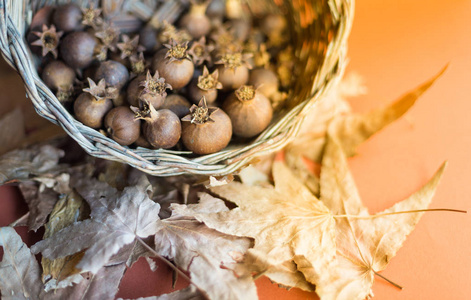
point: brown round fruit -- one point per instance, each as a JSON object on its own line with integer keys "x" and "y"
{"x": 91, "y": 111}
{"x": 67, "y": 17}
{"x": 250, "y": 111}
{"x": 162, "y": 128}
{"x": 265, "y": 80}
{"x": 174, "y": 64}
{"x": 195, "y": 21}
{"x": 122, "y": 125}
{"x": 206, "y": 129}
{"x": 60, "y": 78}
{"x": 177, "y": 104}
{"x": 77, "y": 49}
{"x": 115, "y": 74}
{"x": 134, "y": 90}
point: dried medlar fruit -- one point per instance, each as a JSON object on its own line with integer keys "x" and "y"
{"x": 234, "y": 71}
{"x": 77, "y": 49}
{"x": 154, "y": 90}
{"x": 67, "y": 17}
{"x": 162, "y": 128}
{"x": 174, "y": 64}
{"x": 114, "y": 73}
{"x": 134, "y": 90}
{"x": 249, "y": 110}
{"x": 266, "y": 81}
{"x": 207, "y": 85}
{"x": 60, "y": 78}
{"x": 91, "y": 107}
{"x": 195, "y": 21}
{"x": 206, "y": 129}
{"x": 122, "y": 126}
{"x": 178, "y": 104}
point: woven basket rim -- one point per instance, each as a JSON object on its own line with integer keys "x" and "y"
{"x": 167, "y": 162}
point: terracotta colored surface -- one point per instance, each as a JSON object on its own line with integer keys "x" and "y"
{"x": 394, "y": 45}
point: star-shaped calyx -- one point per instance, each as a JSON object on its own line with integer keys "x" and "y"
{"x": 170, "y": 32}
{"x": 200, "y": 51}
{"x": 233, "y": 60}
{"x": 155, "y": 85}
{"x": 108, "y": 35}
{"x": 129, "y": 46}
{"x": 245, "y": 93}
{"x": 92, "y": 17}
{"x": 201, "y": 113}
{"x": 209, "y": 81}
{"x": 262, "y": 57}
{"x": 138, "y": 64}
{"x": 48, "y": 40}
{"x": 177, "y": 51}
{"x": 100, "y": 91}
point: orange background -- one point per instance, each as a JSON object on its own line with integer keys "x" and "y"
{"x": 394, "y": 46}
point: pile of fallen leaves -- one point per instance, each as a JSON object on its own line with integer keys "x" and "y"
{"x": 276, "y": 218}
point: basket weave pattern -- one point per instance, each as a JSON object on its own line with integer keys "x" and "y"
{"x": 319, "y": 30}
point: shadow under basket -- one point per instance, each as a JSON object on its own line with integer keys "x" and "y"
{"x": 318, "y": 30}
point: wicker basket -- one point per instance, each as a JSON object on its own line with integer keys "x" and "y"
{"x": 319, "y": 31}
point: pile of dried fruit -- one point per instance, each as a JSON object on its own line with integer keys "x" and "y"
{"x": 139, "y": 85}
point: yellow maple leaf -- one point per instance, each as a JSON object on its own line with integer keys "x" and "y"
{"x": 333, "y": 241}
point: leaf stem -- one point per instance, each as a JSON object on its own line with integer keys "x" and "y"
{"x": 172, "y": 266}
{"x": 400, "y": 212}
{"x": 393, "y": 283}
{"x": 20, "y": 220}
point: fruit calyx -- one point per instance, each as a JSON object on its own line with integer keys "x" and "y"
{"x": 92, "y": 17}
{"x": 100, "y": 91}
{"x": 201, "y": 113}
{"x": 155, "y": 85}
{"x": 145, "y": 111}
{"x": 48, "y": 39}
{"x": 233, "y": 60}
{"x": 129, "y": 46}
{"x": 245, "y": 93}
{"x": 177, "y": 51}
{"x": 200, "y": 51}
{"x": 209, "y": 81}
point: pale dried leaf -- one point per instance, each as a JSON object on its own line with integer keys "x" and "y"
{"x": 62, "y": 272}
{"x": 285, "y": 220}
{"x": 40, "y": 203}
{"x": 100, "y": 286}
{"x": 21, "y": 164}
{"x": 285, "y": 274}
{"x": 189, "y": 293}
{"x": 365, "y": 244}
{"x": 352, "y": 130}
{"x": 205, "y": 253}
{"x": 19, "y": 271}
{"x": 117, "y": 219}
{"x": 12, "y": 130}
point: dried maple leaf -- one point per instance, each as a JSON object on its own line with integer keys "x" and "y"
{"x": 117, "y": 219}
{"x": 365, "y": 243}
{"x": 285, "y": 220}
{"x": 350, "y": 129}
{"x": 189, "y": 293}
{"x": 21, "y": 164}
{"x": 40, "y": 203}
{"x": 205, "y": 253}
{"x": 19, "y": 271}
{"x": 289, "y": 224}
{"x": 62, "y": 272}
